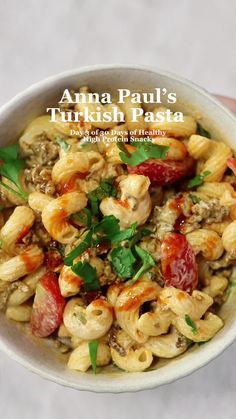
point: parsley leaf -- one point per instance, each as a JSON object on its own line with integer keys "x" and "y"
{"x": 105, "y": 189}
{"x": 84, "y": 245}
{"x": 144, "y": 150}
{"x": 10, "y": 152}
{"x": 11, "y": 168}
{"x": 111, "y": 227}
{"x": 83, "y": 217}
{"x": 88, "y": 274}
{"x": 63, "y": 144}
{"x": 190, "y": 323}
{"x": 139, "y": 235}
{"x": 147, "y": 262}
{"x": 93, "y": 349}
{"x": 202, "y": 131}
{"x": 194, "y": 198}
{"x": 122, "y": 260}
{"x": 198, "y": 180}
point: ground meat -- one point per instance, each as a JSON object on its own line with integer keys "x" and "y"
{"x": 152, "y": 246}
{"x": 209, "y": 212}
{"x": 41, "y": 178}
{"x": 181, "y": 341}
{"x": 112, "y": 338}
{"x": 6, "y": 290}
{"x": 41, "y": 152}
{"x": 108, "y": 277}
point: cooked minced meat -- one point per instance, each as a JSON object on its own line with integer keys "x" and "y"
{"x": 108, "y": 277}
{"x": 41, "y": 152}
{"x": 41, "y": 178}
{"x": 152, "y": 246}
{"x": 112, "y": 338}
{"x": 6, "y": 289}
{"x": 209, "y": 211}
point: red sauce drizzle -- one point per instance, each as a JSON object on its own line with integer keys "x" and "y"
{"x": 22, "y": 234}
{"x": 71, "y": 185}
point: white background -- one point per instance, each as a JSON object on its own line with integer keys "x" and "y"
{"x": 195, "y": 39}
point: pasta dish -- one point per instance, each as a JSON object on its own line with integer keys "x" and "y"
{"x": 120, "y": 252}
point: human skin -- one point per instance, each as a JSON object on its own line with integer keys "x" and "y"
{"x": 229, "y": 102}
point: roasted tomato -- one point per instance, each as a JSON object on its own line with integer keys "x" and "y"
{"x": 178, "y": 262}
{"x": 48, "y": 306}
{"x": 164, "y": 172}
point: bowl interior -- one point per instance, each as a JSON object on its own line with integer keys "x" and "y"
{"x": 39, "y": 355}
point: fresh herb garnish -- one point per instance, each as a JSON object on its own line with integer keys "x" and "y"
{"x": 105, "y": 189}
{"x": 202, "y": 131}
{"x": 147, "y": 262}
{"x": 93, "y": 349}
{"x": 144, "y": 150}
{"x": 9, "y": 152}
{"x": 231, "y": 286}
{"x": 190, "y": 323}
{"x": 194, "y": 198}
{"x": 83, "y": 217}
{"x": 198, "y": 180}
{"x": 62, "y": 143}
{"x": 2, "y": 207}
{"x": 84, "y": 245}
{"x": 111, "y": 227}
{"x": 122, "y": 260}
{"x": 88, "y": 274}
{"x": 139, "y": 235}
{"x": 11, "y": 168}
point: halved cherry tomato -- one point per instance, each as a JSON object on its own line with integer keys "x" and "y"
{"x": 178, "y": 262}
{"x": 48, "y": 306}
{"x": 164, "y": 172}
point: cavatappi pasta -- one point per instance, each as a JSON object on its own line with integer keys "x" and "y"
{"x": 119, "y": 253}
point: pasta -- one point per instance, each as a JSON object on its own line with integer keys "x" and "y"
{"x": 117, "y": 242}
{"x": 134, "y": 204}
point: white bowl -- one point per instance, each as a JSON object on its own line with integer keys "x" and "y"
{"x": 36, "y": 354}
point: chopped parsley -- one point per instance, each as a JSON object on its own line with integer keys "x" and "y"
{"x": 139, "y": 235}
{"x": 202, "y": 131}
{"x": 147, "y": 262}
{"x": 105, "y": 189}
{"x": 190, "y": 323}
{"x": 63, "y": 144}
{"x": 88, "y": 274}
{"x": 198, "y": 180}
{"x": 123, "y": 260}
{"x": 83, "y": 217}
{"x": 11, "y": 168}
{"x": 93, "y": 349}
{"x": 84, "y": 245}
{"x": 194, "y": 198}
{"x": 144, "y": 150}
{"x": 111, "y": 227}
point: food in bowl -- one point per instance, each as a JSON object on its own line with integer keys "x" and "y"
{"x": 121, "y": 251}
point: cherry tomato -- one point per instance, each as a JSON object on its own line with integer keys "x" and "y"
{"x": 164, "y": 172}
{"x": 178, "y": 262}
{"x": 48, "y": 306}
